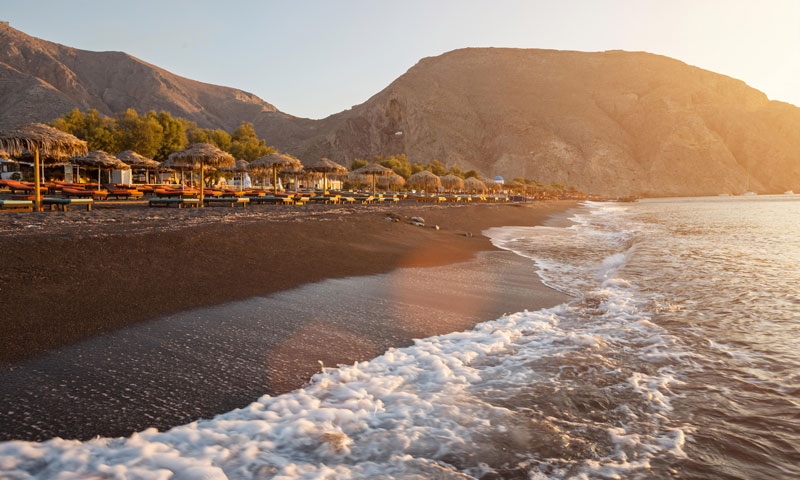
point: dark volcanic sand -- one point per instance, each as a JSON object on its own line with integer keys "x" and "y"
{"x": 69, "y": 277}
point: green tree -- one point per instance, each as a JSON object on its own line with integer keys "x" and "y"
{"x": 358, "y": 163}
{"x": 436, "y": 168}
{"x": 399, "y": 164}
{"x": 245, "y": 144}
{"x": 416, "y": 168}
{"x": 96, "y": 129}
{"x": 142, "y": 134}
{"x": 454, "y": 170}
{"x": 472, "y": 173}
{"x": 173, "y": 134}
{"x": 219, "y": 138}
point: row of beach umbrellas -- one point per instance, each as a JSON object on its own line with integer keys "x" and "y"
{"x": 49, "y": 145}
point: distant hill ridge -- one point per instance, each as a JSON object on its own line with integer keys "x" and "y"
{"x": 607, "y": 122}
{"x": 40, "y": 80}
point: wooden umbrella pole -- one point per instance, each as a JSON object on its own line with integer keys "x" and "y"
{"x": 38, "y": 190}
{"x": 275, "y": 180}
{"x": 202, "y": 182}
{"x": 99, "y": 170}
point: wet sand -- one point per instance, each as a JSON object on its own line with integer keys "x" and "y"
{"x": 126, "y": 330}
{"x": 68, "y": 276}
{"x": 202, "y": 362}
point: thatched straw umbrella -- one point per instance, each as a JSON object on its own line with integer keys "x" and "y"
{"x": 325, "y": 166}
{"x": 99, "y": 159}
{"x": 357, "y": 178}
{"x": 274, "y": 162}
{"x": 491, "y": 185}
{"x": 202, "y": 154}
{"x": 4, "y": 155}
{"x": 374, "y": 170}
{"x": 472, "y": 184}
{"x": 393, "y": 180}
{"x": 173, "y": 165}
{"x": 452, "y": 182}
{"x": 139, "y": 163}
{"x": 239, "y": 167}
{"x": 294, "y": 172}
{"x": 40, "y": 139}
{"x": 424, "y": 179}
{"x": 512, "y": 185}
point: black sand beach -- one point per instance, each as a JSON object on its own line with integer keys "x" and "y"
{"x": 151, "y": 352}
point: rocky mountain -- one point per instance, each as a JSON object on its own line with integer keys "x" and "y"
{"x": 610, "y": 122}
{"x": 41, "y": 80}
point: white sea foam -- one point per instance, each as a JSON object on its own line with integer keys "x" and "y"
{"x": 555, "y": 393}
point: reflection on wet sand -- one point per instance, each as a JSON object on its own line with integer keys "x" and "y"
{"x": 207, "y": 361}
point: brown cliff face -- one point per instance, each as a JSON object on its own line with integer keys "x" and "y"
{"x": 615, "y": 122}
{"x": 41, "y": 80}
{"x": 611, "y": 122}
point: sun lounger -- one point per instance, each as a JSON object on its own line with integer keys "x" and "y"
{"x": 175, "y": 193}
{"x": 174, "y": 202}
{"x": 323, "y": 199}
{"x": 19, "y": 187}
{"x": 232, "y": 193}
{"x": 125, "y": 193}
{"x": 271, "y": 199}
{"x": 229, "y": 201}
{"x": 78, "y": 193}
{"x": 63, "y": 203}
{"x": 16, "y": 205}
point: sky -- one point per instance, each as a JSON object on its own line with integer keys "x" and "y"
{"x": 316, "y": 58}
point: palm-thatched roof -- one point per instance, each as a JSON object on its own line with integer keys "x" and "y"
{"x": 424, "y": 179}
{"x": 273, "y": 160}
{"x": 4, "y": 154}
{"x": 136, "y": 161}
{"x": 53, "y": 144}
{"x": 239, "y": 167}
{"x": 512, "y": 185}
{"x": 99, "y": 159}
{"x": 198, "y": 154}
{"x": 323, "y": 165}
{"x": 452, "y": 182}
{"x": 491, "y": 185}
{"x": 393, "y": 180}
{"x": 292, "y": 171}
{"x": 373, "y": 169}
{"x": 173, "y": 164}
{"x": 472, "y": 184}
{"x": 357, "y": 178}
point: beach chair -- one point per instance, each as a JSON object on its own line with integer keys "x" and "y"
{"x": 19, "y": 187}
{"x": 16, "y": 205}
{"x": 174, "y": 202}
{"x": 273, "y": 200}
{"x": 226, "y": 201}
{"x": 63, "y": 203}
{"x": 125, "y": 193}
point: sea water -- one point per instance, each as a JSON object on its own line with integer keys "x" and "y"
{"x": 678, "y": 357}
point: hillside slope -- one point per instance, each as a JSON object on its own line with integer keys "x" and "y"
{"x": 41, "y": 80}
{"x": 611, "y": 122}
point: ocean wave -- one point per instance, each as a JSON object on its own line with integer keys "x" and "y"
{"x": 581, "y": 390}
